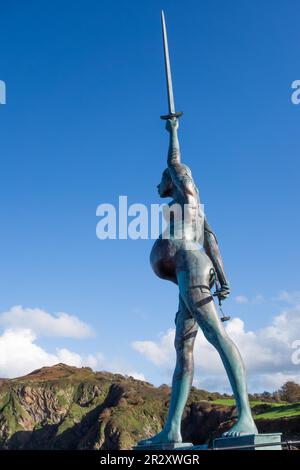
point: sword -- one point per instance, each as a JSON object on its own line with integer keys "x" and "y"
{"x": 172, "y": 113}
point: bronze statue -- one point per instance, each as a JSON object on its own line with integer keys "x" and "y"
{"x": 190, "y": 257}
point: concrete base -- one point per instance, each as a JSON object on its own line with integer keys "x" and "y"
{"x": 260, "y": 442}
{"x": 165, "y": 446}
{"x": 199, "y": 447}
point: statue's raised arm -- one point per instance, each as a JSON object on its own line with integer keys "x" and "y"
{"x": 180, "y": 174}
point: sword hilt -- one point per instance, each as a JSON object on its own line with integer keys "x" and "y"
{"x": 223, "y": 317}
{"x": 171, "y": 116}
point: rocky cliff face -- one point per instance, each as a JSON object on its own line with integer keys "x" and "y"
{"x": 62, "y": 407}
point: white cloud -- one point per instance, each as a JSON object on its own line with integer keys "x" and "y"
{"x": 289, "y": 297}
{"x": 258, "y": 299}
{"x": 136, "y": 375}
{"x": 20, "y": 354}
{"x": 267, "y": 353}
{"x": 120, "y": 366}
{"x": 44, "y": 324}
{"x": 159, "y": 353}
{"x": 241, "y": 299}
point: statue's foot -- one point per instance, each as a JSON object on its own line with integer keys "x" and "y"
{"x": 243, "y": 427}
{"x": 163, "y": 437}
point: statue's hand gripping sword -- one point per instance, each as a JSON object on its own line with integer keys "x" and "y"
{"x": 172, "y": 113}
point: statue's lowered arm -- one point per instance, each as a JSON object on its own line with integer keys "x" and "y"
{"x": 212, "y": 249}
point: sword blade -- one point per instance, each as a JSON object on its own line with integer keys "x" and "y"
{"x": 167, "y": 66}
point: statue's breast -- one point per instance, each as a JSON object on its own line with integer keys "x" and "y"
{"x": 183, "y": 221}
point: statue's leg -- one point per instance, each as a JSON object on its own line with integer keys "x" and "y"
{"x": 199, "y": 301}
{"x": 186, "y": 331}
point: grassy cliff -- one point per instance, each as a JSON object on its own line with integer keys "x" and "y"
{"x": 63, "y": 407}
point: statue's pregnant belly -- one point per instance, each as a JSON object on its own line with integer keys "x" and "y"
{"x": 169, "y": 256}
{"x": 163, "y": 259}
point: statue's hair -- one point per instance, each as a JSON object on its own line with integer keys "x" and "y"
{"x": 188, "y": 171}
{"x": 187, "y": 174}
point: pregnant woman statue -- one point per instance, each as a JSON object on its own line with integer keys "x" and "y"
{"x": 190, "y": 258}
{"x": 187, "y": 254}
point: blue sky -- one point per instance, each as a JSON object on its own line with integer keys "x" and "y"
{"x": 85, "y": 89}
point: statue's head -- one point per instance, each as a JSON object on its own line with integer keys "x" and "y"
{"x": 166, "y": 186}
